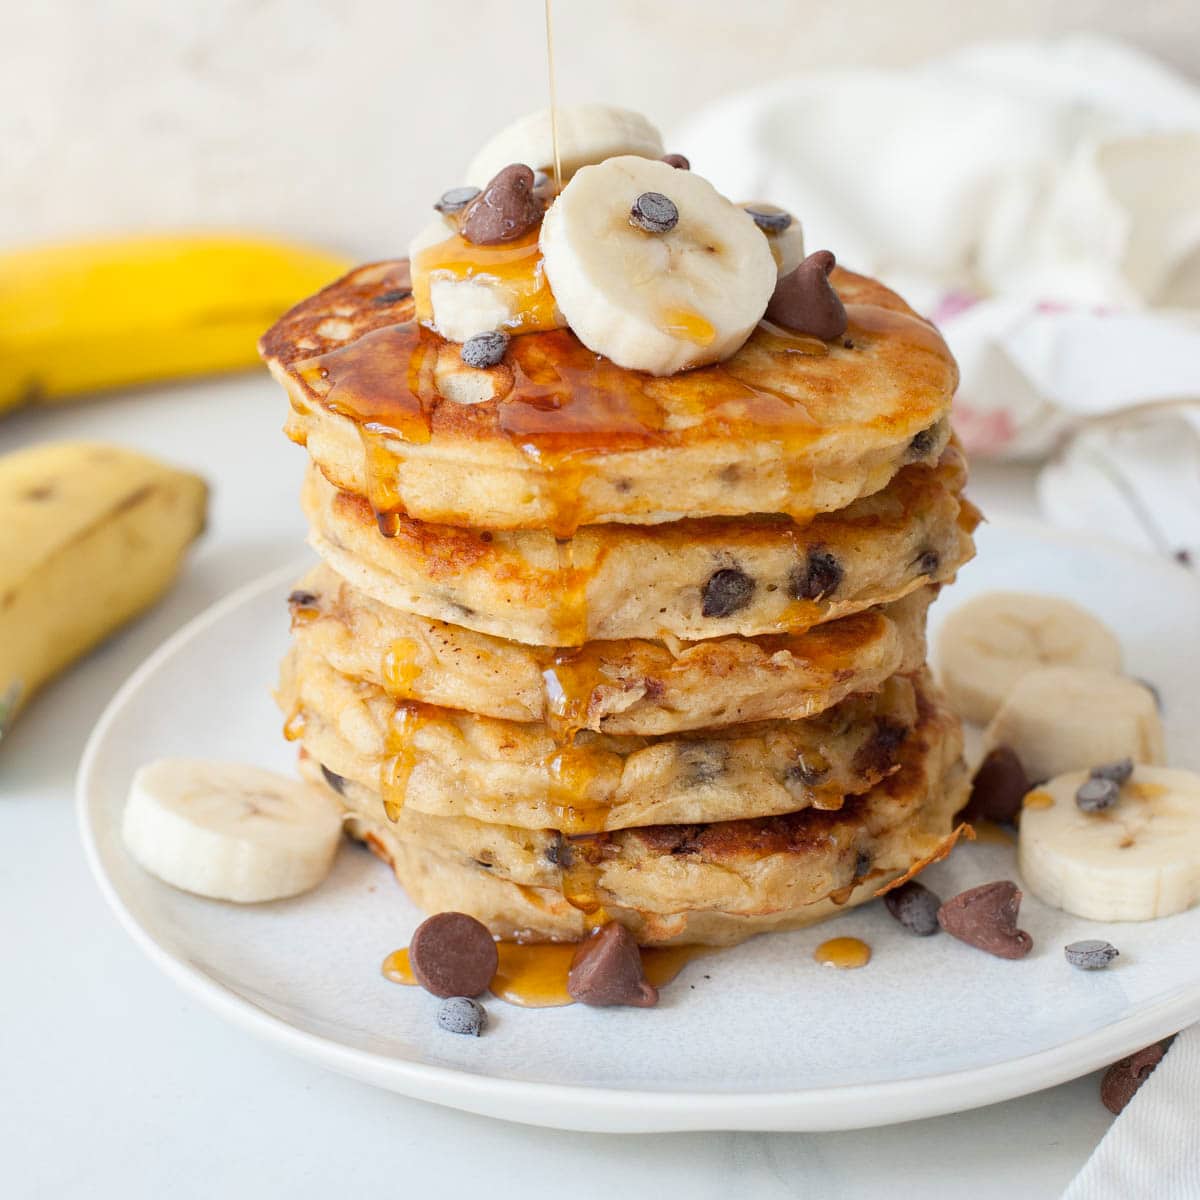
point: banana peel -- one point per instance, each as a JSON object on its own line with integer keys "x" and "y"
{"x": 90, "y": 536}
{"x": 87, "y": 316}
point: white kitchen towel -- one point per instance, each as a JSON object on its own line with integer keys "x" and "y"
{"x": 1039, "y": 200}
{"x": 1153, "y": 1147}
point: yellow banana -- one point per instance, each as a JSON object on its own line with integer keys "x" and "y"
{"x": 90, "y": 535}
{"x": 81, "y": 317}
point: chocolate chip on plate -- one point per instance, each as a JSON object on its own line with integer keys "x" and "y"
{"x": 678, "y": 161}
{"x": 1122, "y": 1080}
{"x": 461, "y": 1014}
{"x": 455, "y": 199}
{"x": 820, "y": 575}
{"x": 726, "y": 592}
{"x": 452, "y": 954}
{"x": 1096, "y": 794}
{"x": 505, "y": 210}
{"x": 1091, "y": 954}
{"x": 485, "y": 349}
{"x": 770, "y": 222}
{"x": 607, "y": 970}
{"x": 986, "y": 917}
{"x": 999, "y": 787}
{"x": 805, "y": 300}
{"x": 654, "y": 212}
{"x": 915, "y": 907}
{"x": 1119, "y": 771}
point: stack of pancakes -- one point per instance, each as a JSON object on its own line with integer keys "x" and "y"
{"x": 591, "y": 645}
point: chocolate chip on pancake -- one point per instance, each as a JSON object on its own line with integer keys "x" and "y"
{"x": 805, "y": 300}
{"x": 678, "y": 161}
{"x": 726, "y": 592}
{"x": 505, "y": 210}
{"x": 986, "y": 917}
{"x": 998, "y": 788}
{"x": 817, "y": 578}
{"x": 456, "y": 199}
{"x": 607, "y": 970}
{"x": 452, "y": 954}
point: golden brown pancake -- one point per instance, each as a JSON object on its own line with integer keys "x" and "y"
{"x": 623, "y": 687}
{"x": 451, "y": 763}
{"x": 717, "y": 882}
{"x": 555, "y": 436}
{"x": 694, "y": 579}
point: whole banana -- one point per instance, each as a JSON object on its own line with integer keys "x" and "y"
{"x": 81, "y": 317}
{"x": 90, "y": 535}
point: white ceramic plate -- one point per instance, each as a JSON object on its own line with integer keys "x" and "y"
{"x": 758, "y": 1037}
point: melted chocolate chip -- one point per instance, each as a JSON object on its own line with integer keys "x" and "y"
{"x": 701, "y": 763}
{"x": 678, "y": 161}
{"x": 607, "y": 970}
{"x": 558, "y": 852}
{"x": 302, "y": 599}
{"x": 862, "y": 865}
{"x": 878, "y": 754}
{"x": 986, "y": 917}
{"x": 485, "y": 349}
{"x": 819, "y": 576}
{"x": 726, "y": 592}
{"x": 654, "y": 212}
{"x": 392, "y": 297}
{"x": 805, "y": 300}
{"x": 807, "y": 775}
{"x": 927, "y": 562}
{"x": 915, "y": 907}
{"x": 998, "y": 788}
{"x": 456, "y": 199}
{"x": 452, "y": 954}
{"x": 922, "y": 444}
{"x": 505, "y": 210}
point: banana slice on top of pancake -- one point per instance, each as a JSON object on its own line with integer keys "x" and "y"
{"x": 654, "y": 268}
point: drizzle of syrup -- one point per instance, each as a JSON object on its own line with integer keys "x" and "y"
{"x": 400, "y": 756}
{"x": 1140, "y": 790}
{"x": 400, "y": 669}
{"x": 1038, "y": 799}
{"x": 691, "y": 325}
{"x": 845, "y": 953}
{"x": 535, "y": 976}
{"x": 988, "y": 832}
{"x": 293, "y": 727}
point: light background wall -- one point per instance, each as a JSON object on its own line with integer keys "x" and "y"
{"x": 340, "y": 120}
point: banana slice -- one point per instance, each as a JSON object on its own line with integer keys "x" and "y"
{"x": 1062, "y": 718}
{"x": 460, "y": 290}
{"x": 989, "y": 643}
{"x": 783, "y": 232}
{"x": 587, "y": 133}
{"x": 1135, "y": 861}
{"x": 230, "y": 831}
{"x": 655, "y": 301}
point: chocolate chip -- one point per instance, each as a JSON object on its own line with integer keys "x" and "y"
{"x": 392, "y": 297}
{"x": 654, "y": 212}
{"x": 862, "y": 865}
{"x": 335, "y": 781}
{"x": 452, "y": 954}
{"x": 558, "y": 852}
{"x": 807, "y": 774}
{"x": 1092, "y": 954}
{"x": 915, "y": 907}
{"x": 1097, "y": 794}
{"x": 701, "y": 763}
{"x": 805, "y": 300}
{"x": 820, "y": 576}
{"x": 878, "y": 754}
{"x": 922, "y": 444}
{"x": 986, "y": 917}
{"x": 456, "y": 199}
{"x": 770, "y": 222}
{"x": 485, "y": 349}
{"x": 302, "y": 599}
{"x": 461, "y": 1014}
{"x": 607, "y": 969}
{"x": 1119, "y": 771}
{"x": 678, "y": 161}
{"x": 927, "y": 562}
{"x": 505, "y": 210}
{"x": 726, "y": 592}
{"x": 999, "y": 787}
{"x": 1122, "y": 1080}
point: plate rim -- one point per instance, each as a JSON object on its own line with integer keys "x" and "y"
{"x": 596, "y": 1108}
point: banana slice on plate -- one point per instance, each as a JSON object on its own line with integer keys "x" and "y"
{"x": 986, "y": 646}
{"x": 783, "y": 232}
{"x": 683, "y": 287}
{"x": 587, "y": 133}
{"x": 230, "y": 831}
{"x": 1062, "y": 718}
{"x": 1135, "y": 861}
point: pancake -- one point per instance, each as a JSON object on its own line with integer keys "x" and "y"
{"x": 716, "y": 883}
{"x": 556, "y": 437}
{"x": 449, "y": 763}
{"x": 625, "y": 687}
{"x": 694, "y": 579}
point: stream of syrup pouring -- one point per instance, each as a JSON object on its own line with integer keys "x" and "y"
{"x": 553, "y": 98}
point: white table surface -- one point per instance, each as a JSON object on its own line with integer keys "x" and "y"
{"x": 115, "y": 1084}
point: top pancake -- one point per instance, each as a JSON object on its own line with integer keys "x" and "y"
{"x": 555, "y": 436}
